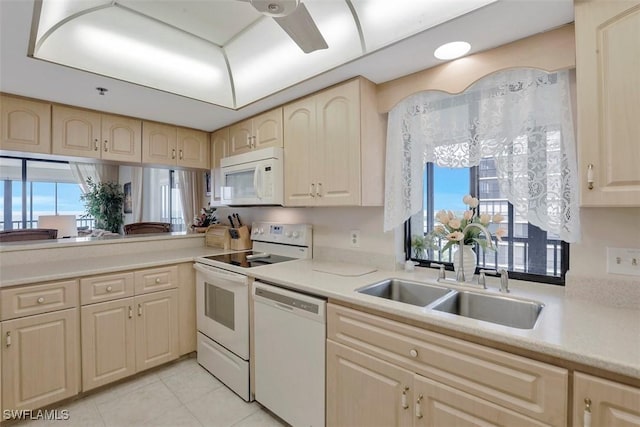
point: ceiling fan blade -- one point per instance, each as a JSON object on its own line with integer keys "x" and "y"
{"x": 301, "y": 28}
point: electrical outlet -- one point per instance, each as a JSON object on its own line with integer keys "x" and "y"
{"x": 623, "y": 261}
{"x": 354, "y": 238}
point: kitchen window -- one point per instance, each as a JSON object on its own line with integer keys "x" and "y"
{"x": 527, "y": 252}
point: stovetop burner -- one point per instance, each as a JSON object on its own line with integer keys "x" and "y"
{"x": 249, "y": 259}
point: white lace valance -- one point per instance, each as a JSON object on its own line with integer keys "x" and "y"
{"x": 522, "y": 118}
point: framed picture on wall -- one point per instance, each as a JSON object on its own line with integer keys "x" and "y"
{"x": 207, "y": 183}
{"x": 127, "y": 206}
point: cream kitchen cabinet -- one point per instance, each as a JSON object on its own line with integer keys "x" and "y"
{"x": 127, "y": 335}
{"x": 219, "y": 150}
{"x": 608, "y": 96}
{"x": 404, "y": 375}
{"x": 605, "y": 402}
{"x": 84, "y": 133}
{"x": 25, "y": 125}
{"x": 261, "y": 131}
{"x": 334, "y": 142}
{"x": 174, "y": 146}
{"x": 40, "y": 344}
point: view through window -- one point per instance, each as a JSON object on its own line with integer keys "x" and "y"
{"x": 527, "y": 252}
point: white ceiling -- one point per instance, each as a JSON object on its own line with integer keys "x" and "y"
{"x": 487, "y": 27}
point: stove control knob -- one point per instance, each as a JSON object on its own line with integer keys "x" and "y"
{"x": 288, "y": 234}
{"x": 296, "y": 234}
{"x": 255, "y": 231}
{"x": 261, "y": 230}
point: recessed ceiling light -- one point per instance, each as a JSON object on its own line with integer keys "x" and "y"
{"x": 452, "y": 50}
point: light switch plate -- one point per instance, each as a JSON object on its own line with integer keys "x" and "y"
{"x": 354, "y": 238}
{"x": 623, "y": 261}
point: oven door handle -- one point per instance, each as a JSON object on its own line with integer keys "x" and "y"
{"x": 222, "y": 274}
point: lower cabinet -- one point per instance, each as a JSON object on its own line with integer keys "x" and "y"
{"x": 599, "y": 402}
{"x": 40, "y": 359}
{"x": 387, "y": 373}
{"x": 128, "y": 335}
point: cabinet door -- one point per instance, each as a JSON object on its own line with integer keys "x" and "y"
{"x": 300, "y": 138}
{"x": 193, "y": 148}
{"x": 440, "y": 405}
{"x": 157, "y": 338}
{"x": 267, "y": 129}
{"x": 159, "y": 144}
{"x": 40, "y": 363}
{"x": 607, "y": 66}
{"x": 336, "y": 156}
{"x": 25, "y": 125}
{"x": 108, "y": 342}
{"x": 75, "y": 132}
{"x": 365, "y": 391}
{"x": 219, "y": 150}
{"x": 612, "y": 404}
{"x": 240, "y": 137}
{"x": 121, "y": 138}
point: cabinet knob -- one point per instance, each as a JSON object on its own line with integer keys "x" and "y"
{"x": 109, "y": 288}
{"x": 157, "y": 280}
{"x": 41, "y": 300}
{"x": 413, "y": 352}
{"x": 586, "y": 420}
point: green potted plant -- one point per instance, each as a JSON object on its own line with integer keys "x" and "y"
{"x": 104, "y": 202}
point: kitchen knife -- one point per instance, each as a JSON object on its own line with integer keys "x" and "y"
{"x": 231, "y": 221}
{"x": 238, "y": 219}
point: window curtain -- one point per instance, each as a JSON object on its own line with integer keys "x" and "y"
{"x": 97, "y": 172}
{"x": 191, "y": 189}
{"x": 522, "y": 118}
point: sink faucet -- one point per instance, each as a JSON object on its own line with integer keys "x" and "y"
{"x": 504, "y": 281}
{"x": 460, "y": 273}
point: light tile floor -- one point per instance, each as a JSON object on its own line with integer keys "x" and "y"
{"x": 182, "y": 394}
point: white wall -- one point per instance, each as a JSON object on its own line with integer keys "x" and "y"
{"x": 602, "y": 228}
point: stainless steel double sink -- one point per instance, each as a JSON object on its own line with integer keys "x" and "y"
{"x": 503, "y": 310}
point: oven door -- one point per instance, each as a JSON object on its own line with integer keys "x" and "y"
{"x": 222, "y": 304}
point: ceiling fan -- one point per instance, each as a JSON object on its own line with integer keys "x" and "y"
{"x": 295, "y": 20}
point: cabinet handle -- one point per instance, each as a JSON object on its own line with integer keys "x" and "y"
{"x": 586, "y": 421}
{"x": 249, "y": 141}
{"x": 157, "y": 280}
{"x": 413, "y": 352}
{"x": 130, "y": 312}
{"x": 418, "y": 408}
{"x": 312, "y": 191}
{"x": 41, "y": 300}
{"x": 139, "y": 309}
{"x": 181, "y": 155}
{"x": 319, "y": 193}
{"x": 590, "y": 176}
{"x": 254, "y": 141}
{"x": 9, "y": 339}
{"x": 405, "y": 404}
{"x": 173, "y": 153}
{"x": 105, "y": 145}
{"x": 95, "y": 144}
{"x": 109, "y": 288}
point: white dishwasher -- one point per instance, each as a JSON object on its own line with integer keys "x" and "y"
{"x": 289, "y": 336}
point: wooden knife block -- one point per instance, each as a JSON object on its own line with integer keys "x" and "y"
{"x": 240, "y": 238}
{"x": 217, "y": 235}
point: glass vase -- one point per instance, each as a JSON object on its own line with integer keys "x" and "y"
{"x": 469, "y": 261}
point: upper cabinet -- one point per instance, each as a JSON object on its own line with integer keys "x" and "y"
{"x": 608, "y": 93}
{"x": 219, "y": 150}
{"x": 25, "y": 125}
{"x": 174, "y": 146}
{"x": 84, "y": 133}
{"x": 334, "y": 148}
{"x": 262, "y": 131}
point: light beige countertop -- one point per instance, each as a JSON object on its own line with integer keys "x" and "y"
{"x": 573, "y": 329}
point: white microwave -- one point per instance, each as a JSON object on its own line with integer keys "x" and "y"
{"x": 253, "y": 178}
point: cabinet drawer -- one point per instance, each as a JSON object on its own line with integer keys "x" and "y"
{"x": 156, "y": 279}
{"x": 106, "y": 288}
{"x": 36, "y": 299}
{"x": 526, "y": 386}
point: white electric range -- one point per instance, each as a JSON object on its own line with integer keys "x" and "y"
{"x": 222, "y": 298}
